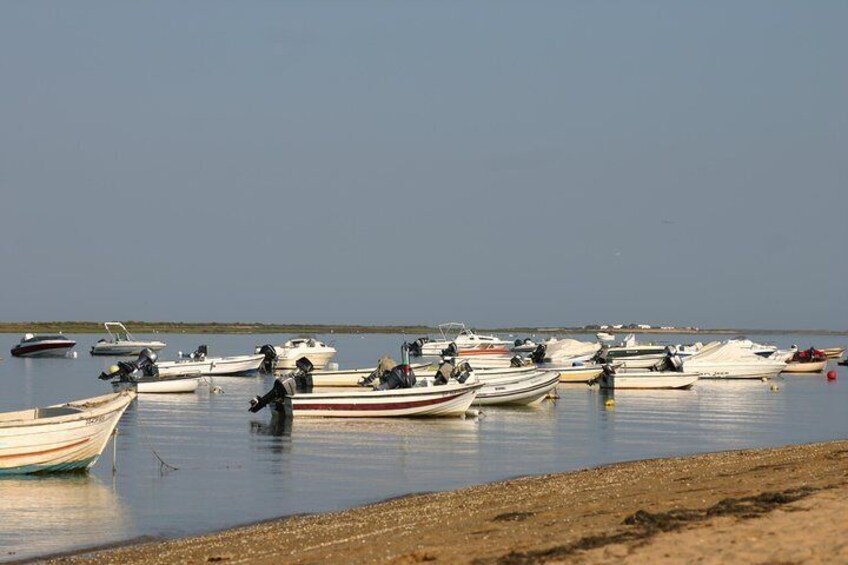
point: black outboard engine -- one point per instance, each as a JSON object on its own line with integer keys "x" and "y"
{"x": 451, "y": 350}
{"x": 539, "y": 354}
{"x": 516, "y": 361}
{"x": 303, "y": 375}
{"x": 270, "y": 362}
{"x": 146, "y": 363}
{"x": 280, "y": 394}
{"x": 200, "y": 353}
{"x": 415, "y": 348}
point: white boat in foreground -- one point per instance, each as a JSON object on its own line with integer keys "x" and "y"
{"x": 447, "y": 400}
{"x": 731, "y": 360}
{"x": 121, "y": 342}
{"x": 43, "y": 345}
{"x": 63, "y": 437}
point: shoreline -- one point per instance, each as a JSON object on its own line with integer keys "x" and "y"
{"x": 141, "y": 327}
{"x": 635, "y": 510}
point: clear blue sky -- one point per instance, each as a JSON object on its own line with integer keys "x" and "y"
{"x": 378, "y": 162}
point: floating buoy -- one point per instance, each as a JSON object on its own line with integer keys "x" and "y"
{"x": 774, "y": 388}
{"x": 764, "y": 379}
{"x": 610, "y": 403}
{"x": 831, "y": 375}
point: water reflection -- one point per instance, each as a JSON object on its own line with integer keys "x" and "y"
{"x": 43, "y": 515}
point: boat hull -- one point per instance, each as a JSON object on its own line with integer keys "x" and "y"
{"x": 54, "y": 349}
{"x": 125, "y": 348}
{"x": 648, "y": 380}
{"x": 811, "y": 367}
{"x": 215, "y": 366}
{"x": 160, "y": 385}
{"x": 735, "y": 371}
{"x": 435, "y": 401}
{"x": 834, "y": 352}
{"x": 521, "y": 392}
{"x": 31, "y": 441}
{"x": 580, "y": 374}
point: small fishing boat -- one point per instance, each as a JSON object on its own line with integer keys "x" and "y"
{"x": 522, "y": 391}
{"x": 124, "y": 377}
{"x": 452, "y": 399}
{"x": 121, "y": 342}
{"x": 58, "y": 438}
{"x": 43, "y": 345}
{"x": 199, "y": 364}
{"x": 318, "y": 352}
{"x": 808, "y": 361}
{"x": 633, "y": 379}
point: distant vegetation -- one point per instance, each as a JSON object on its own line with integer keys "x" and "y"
{"x": 260, "y": 328}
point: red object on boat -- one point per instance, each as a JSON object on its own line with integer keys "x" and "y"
{"x": 831, "y": 375}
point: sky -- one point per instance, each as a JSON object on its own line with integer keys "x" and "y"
{"x": 499, "y": 163}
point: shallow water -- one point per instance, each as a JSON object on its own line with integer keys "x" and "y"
{"x": 235, "y": 467}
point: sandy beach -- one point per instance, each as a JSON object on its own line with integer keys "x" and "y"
{"x": 788, "y": 504}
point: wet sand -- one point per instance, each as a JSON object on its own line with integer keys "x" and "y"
{"x": 775, "y": 505}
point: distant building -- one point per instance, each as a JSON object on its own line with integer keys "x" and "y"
{"x": 643, "y": 326}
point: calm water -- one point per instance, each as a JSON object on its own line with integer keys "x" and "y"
{"x": 234, "y": 467}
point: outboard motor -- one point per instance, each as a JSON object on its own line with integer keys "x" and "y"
{"x": 303, "y": 375}
{"x": 270, "y": 362}
{"x": 416, "y": 347}
{"x": 200, "y": 353}
{"x": 538, "y": 355}
{"x": 601, "y": 356}
{"x": 516, "y": 361}
{"x": 671, "y": 361}
{"x": 280, "y": 394}
{"x": 123, "y": 371}
{"x": 451, "y": 350}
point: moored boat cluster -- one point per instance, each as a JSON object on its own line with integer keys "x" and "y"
{"x": 453, "y": 374}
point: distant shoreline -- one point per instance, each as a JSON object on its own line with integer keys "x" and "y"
{"x": 263, "y": 328}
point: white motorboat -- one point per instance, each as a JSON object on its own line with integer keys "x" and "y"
{"x": 731, "y": 360}
{"x": 634, "y": 379}
{"x": 318, "y": 353}
{"x": 63, "y": 437}
{"x": 199, "y": 364}
{"x": 632, "y": 354}
{"x": 140, "y": 376}
{"x": 453, "y": 399}
{"x": 562, "y": 351}
{"x": 43, "y": 345}
{"x": 834, "y": 352}
{"x": 467, "y": 342}
{"x": 121, "y": 342}
{"x": 525, "y": 345}
{"x": 524, "y": 390}
{"x": 159, "y": 385}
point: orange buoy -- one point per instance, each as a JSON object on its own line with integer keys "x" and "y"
{"x": 831, "y": 375}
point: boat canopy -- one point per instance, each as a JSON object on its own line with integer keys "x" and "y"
{"x": 726, "y": 352}
{"x": 570, "y": 348}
